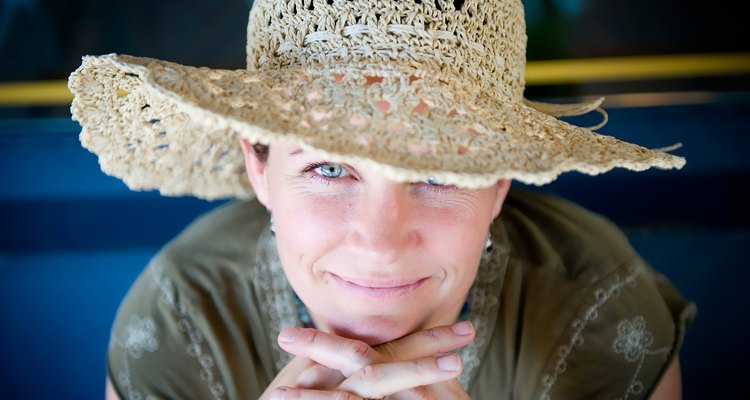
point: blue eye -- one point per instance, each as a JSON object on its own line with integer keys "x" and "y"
{"x": 433, "y": 182}
{"x": 329, "y": 170}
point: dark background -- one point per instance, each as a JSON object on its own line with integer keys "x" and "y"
{"x": 72, "y": 239}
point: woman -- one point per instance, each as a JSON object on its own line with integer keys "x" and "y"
{"x": 385, "y": 256}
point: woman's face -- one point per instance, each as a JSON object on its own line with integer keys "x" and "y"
{"x": 371, "y": 258}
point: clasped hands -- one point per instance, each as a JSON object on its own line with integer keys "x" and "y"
{"x": 421, "y": 365}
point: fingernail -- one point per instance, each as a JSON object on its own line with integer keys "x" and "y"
{"x": 287, "y": 335}
{"x": 449, "y": 363}
{"x": 462, "y": 328}
{"x": 278, "y": 393}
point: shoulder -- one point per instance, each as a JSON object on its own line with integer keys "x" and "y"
{"x": 550, "y": 232}
{"x": 229, "y": 232}
{"x": 186, "y": 318}
{"x": 576, "y": 297}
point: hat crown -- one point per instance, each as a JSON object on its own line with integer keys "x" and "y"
{"x": 483, "y": 41}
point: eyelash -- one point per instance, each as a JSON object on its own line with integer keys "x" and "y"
{"x": 311, "y": 167}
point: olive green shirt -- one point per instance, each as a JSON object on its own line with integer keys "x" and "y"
{"x": 563, "y": 307}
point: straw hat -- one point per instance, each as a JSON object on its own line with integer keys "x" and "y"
{"x": 419, "y": 89}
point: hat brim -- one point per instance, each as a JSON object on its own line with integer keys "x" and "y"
{"x": 161, "y": 125}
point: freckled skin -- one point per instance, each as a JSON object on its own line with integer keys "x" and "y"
{"x": 364, "y": 227}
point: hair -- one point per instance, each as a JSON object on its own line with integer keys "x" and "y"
{"x": 261, "y": 151}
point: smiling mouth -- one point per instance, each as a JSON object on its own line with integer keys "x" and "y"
{"x": 378, "y": 288}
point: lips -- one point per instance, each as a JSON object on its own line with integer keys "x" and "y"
{"x": 376, "y": 288}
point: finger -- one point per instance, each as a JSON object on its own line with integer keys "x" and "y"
{"x": 429, "y": 342}
{"x": 319, "y": 377}
{"x": 380, "y": 380}
{"x": 287, "y": 393}
{"x": 335, "y": 352}
{"x": 446, "y": 390}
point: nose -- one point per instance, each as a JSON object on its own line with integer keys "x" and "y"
{"x": 383, "y": 229}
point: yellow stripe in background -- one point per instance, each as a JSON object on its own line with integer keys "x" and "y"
{"x": 557, "y": 72}
{"x": 39, "y": 93}
{"x": 553, "y": 72}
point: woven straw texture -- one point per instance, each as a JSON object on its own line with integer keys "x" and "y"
{"x": 416, "y": 88}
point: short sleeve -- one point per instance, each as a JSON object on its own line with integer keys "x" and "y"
{"x": 622, "y": 337}
{"x": 156, "y": 350}
{"x": 191, "y": 326}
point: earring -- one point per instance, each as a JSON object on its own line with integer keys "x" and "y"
{"x": 272, "y": 226}
{"x": 488, "y": 244}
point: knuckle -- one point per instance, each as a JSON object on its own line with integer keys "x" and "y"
{"x": 307, "y": 336}
{"x": 370, "y": 374}
{"x": 359, "y": 351}
{"x": 423, "y": 367}
{"x": 434, "y": 333}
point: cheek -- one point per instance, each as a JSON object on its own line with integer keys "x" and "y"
{"x": 308, "y": 227}
{"x": 457, "y": 235}
{"x": 458, "y": 242}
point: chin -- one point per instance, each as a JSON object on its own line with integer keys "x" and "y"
{"x": 373, "y": 330}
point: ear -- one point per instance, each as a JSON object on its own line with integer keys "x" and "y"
{"x": 256, "y": 172}
{"x": 502, "y": 187}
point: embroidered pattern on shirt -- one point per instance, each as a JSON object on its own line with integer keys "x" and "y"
{"x": 601, "y": 296}
{"x": 195, "y": 348}
{"x": 139, "y": 335}
{"x": 276, "y": 296}
{"x": 634, "y": 343}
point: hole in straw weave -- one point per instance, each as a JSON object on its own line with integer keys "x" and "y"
{"x": 337, "y": 77}
{"x": 452, "y": 113}
{"x": 121, "y": 92}
{"x": 382, "y": 105}
{"x": 421, "y": 108}
{"x": 413, "y": 78}
{"x": 457, "y": 4}
{"x": 371, "y": 80}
